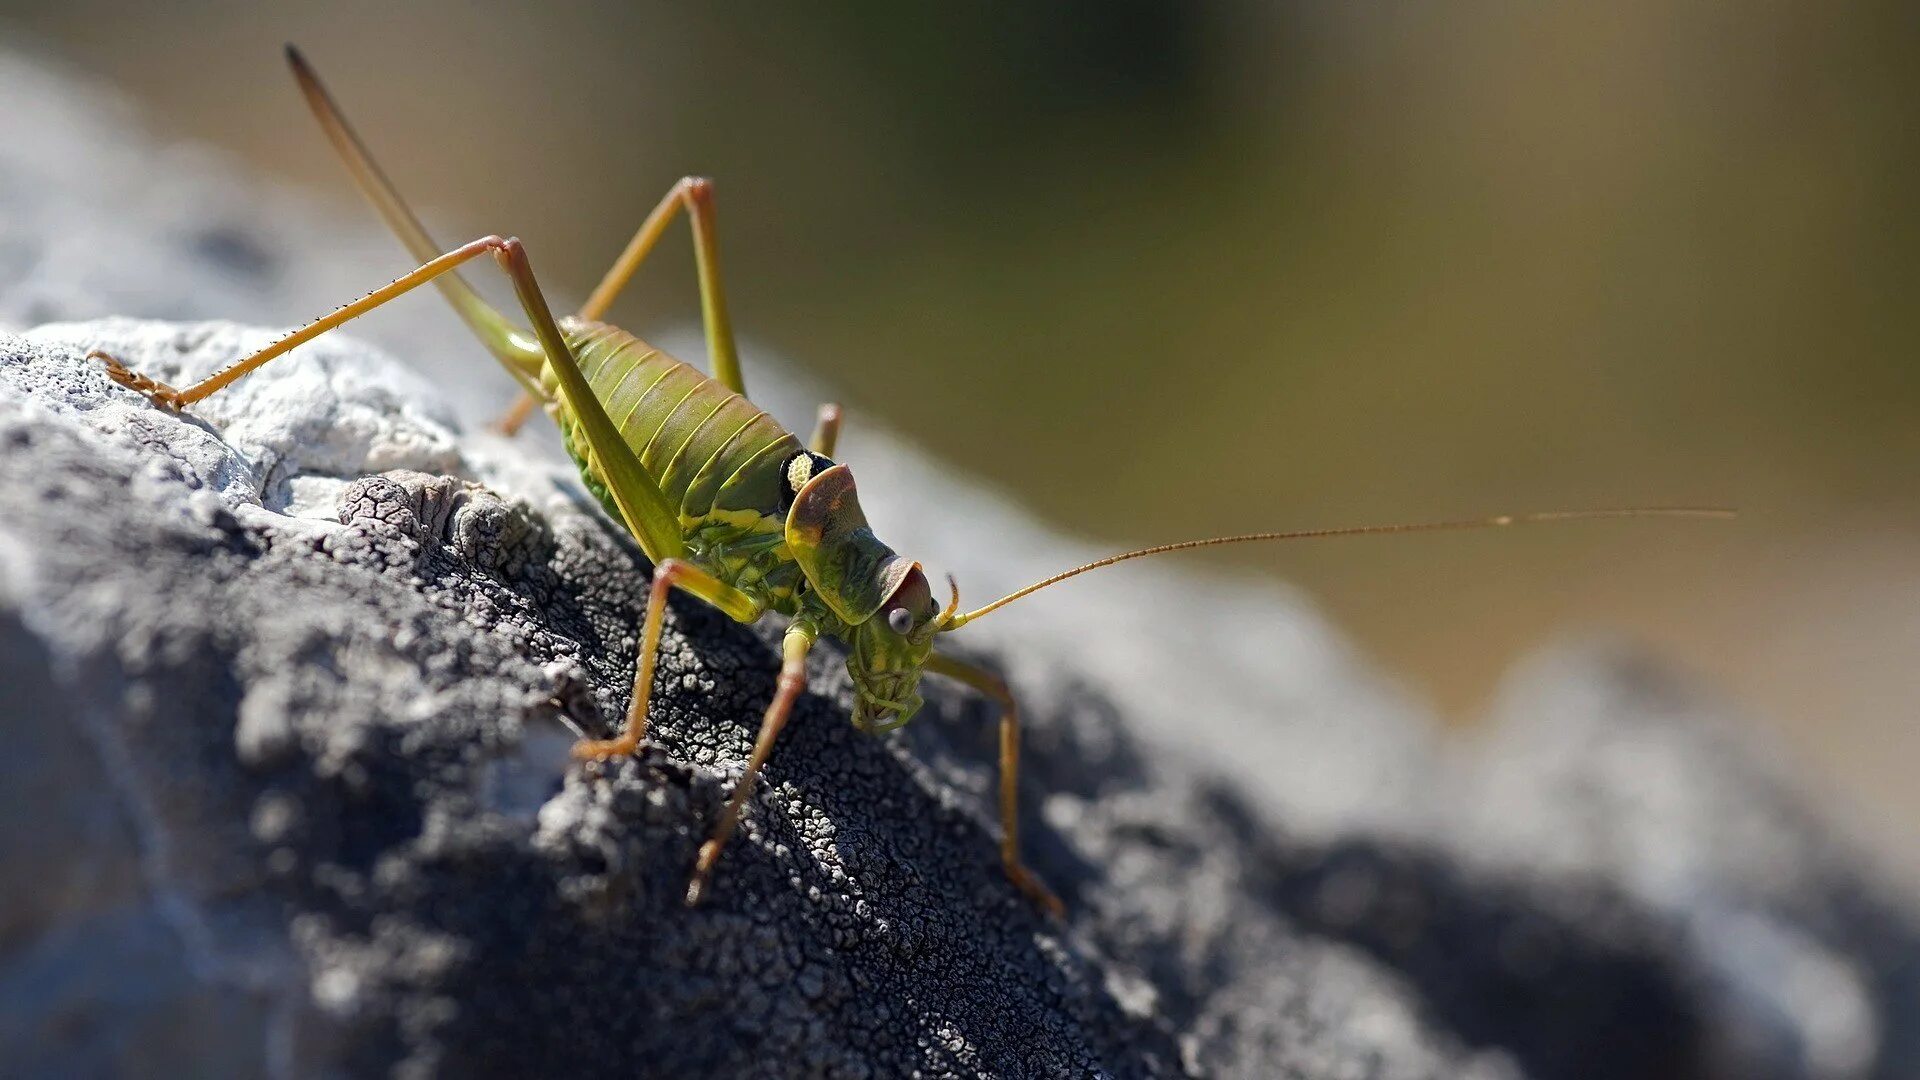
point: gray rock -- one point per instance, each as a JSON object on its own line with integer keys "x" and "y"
{"x": 1603, "y": 764}
{"x": 326, "y": 704}
{"x": 288, "y": 685}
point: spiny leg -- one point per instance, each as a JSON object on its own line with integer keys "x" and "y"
{"x": 994, "y": 687}
{"x": 168, "y": 397}
{"x": 152, "y": 389}
{"x": 668, "y": 574}
{"x": 644, "y": 507}
{"x": 826, "y": 430}
{"x": 648, "y": 515}
{"x": 793, "y": 679}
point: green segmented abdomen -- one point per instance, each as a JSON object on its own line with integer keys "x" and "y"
{"x": 708, "y": 447}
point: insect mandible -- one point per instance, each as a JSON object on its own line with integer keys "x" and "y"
{"x": 728, "y": 505}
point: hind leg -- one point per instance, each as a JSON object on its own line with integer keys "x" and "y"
{"x": 695, "y": 195}
{"x": 171, "y": 398}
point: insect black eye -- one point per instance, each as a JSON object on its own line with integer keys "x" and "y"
{"x": 900, "y": 620}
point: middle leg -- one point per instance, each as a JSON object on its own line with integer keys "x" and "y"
{"x": 793, "y": 679}
{"x": 510, "y": 422}
{"x": 695, "y": 195}
{"x": 826, "y": 430}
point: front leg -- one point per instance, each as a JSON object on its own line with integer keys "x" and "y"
{"x": 994, "y": 687}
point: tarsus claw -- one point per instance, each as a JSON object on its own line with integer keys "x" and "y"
{"x": 152, "y": 389}
{"x": 702, "y": 872}
{"x": 602, "y": 749}
{"x": 1035, "y": 890}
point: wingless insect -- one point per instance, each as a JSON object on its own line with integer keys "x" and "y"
{"x": 727, "y": 504}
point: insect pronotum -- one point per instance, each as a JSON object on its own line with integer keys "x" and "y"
{"x": 727, "y": 504}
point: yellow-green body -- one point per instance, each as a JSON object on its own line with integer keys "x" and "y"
{"x": 776, "y": 522}
{"x": 720, "y": 460}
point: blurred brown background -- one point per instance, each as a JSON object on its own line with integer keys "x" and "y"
{"x": 1170, "y": 269}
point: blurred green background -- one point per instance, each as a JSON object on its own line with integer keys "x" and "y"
{"x": 1162, "y": 270}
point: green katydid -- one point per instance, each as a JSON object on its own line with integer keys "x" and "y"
{"x": 727, "y": 504}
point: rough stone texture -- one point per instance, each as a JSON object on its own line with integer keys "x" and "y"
{"x": 1602, "y": 764}
{"x": 287, "y": 686}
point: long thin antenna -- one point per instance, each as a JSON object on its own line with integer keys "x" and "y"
{"x": 1495, "y": 522}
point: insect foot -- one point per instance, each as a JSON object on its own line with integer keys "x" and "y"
{"x": 607, "y": 749}
{"x": 703, "y": 872}
{"x": 1035, "y": 890}
{"x": 152, "y": 389}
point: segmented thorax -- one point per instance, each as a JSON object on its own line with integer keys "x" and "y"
{"x": 717, "y": 457}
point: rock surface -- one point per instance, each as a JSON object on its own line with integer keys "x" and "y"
{"x": 288, "y": 685}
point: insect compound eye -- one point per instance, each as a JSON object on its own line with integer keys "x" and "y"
{"x": 900, "y": 620}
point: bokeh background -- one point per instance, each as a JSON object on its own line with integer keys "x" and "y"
{"x": 1162, "y": 270}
